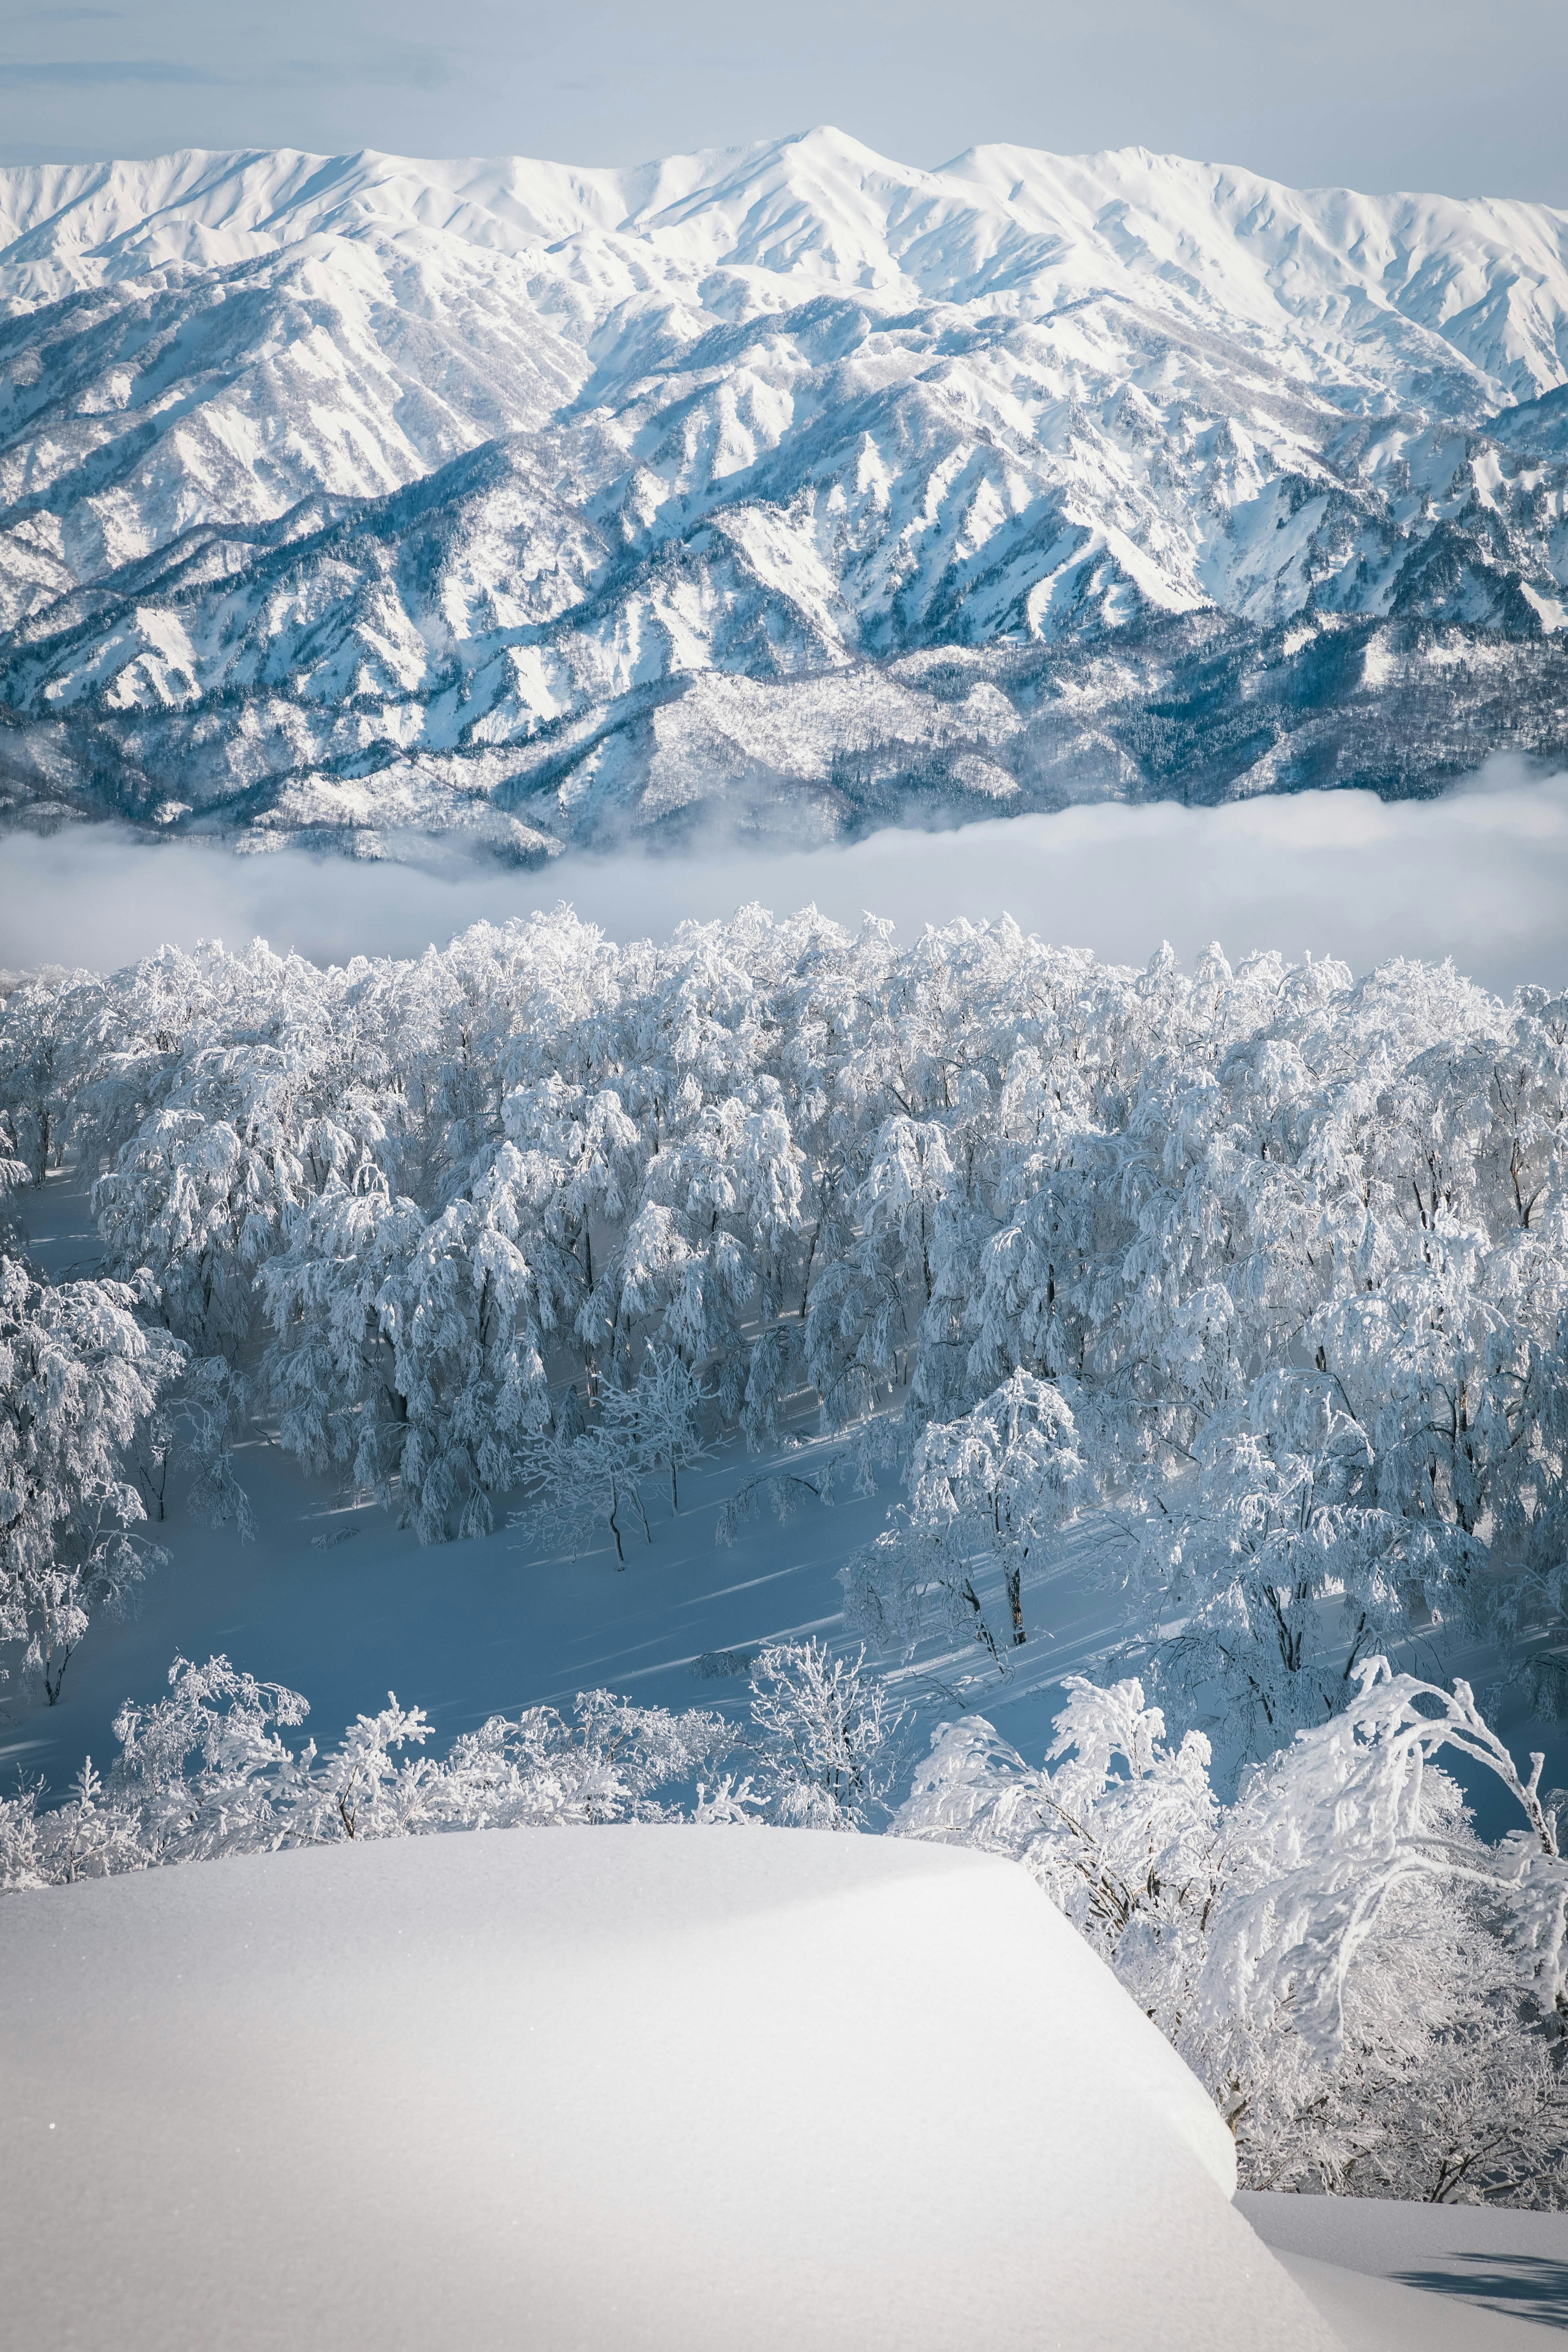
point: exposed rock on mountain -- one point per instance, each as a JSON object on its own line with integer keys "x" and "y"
{"x": 341, "y": 497}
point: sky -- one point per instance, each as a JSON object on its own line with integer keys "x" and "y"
{"x": 1374, "y": 94}
{"x": 1480, "y": 876}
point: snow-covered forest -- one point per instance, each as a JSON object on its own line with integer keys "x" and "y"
{"x": 1251, "y": 1283}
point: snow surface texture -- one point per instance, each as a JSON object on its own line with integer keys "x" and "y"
{"x": 342, "y": 497}
{"x": 610, "y": 2087}
{"x": 1421, "y": 2278}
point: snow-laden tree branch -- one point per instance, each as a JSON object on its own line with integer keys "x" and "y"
{"x": 992, "y": 1489}
{"x": 1328, "y": 1950}
{"x": 206, "y": 1771}
{"x": 79, "y": 1380}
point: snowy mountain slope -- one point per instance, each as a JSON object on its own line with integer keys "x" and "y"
{"x": 342, "y": 495}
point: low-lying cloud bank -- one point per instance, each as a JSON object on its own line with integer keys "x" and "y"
{"x": 1480, "y": 876}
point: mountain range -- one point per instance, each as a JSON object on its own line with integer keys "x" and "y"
{"x": 358, "y": 499}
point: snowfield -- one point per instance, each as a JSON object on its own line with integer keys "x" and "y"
{"x": 619, "y": 2087}
{"x": 346, "y": 497}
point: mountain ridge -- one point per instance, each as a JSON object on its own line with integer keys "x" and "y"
{"x": 344, "y": 497}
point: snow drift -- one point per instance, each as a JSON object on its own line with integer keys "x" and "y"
{"x": 619, "y": 2087}
{"x": 1397, "y": 2277}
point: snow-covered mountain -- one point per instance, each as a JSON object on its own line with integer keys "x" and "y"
{"x": 344, "y": 495}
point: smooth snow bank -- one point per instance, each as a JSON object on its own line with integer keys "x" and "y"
{"x": 1436, "y": 2278}
{"x": 602, "y": 2088}
{"x": 1378, "y": 2314}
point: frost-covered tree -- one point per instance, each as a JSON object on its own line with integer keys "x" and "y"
{"x": 407, "y": 1349}
{"x": 572, "y": 1161}
{"x": 1332, "y": 1950}
{"x": 330, "y": 1367}
{"x": 79, "y": 1378}
{"x": 46, "y": 1030}
{"x": 207, "y": 1770}
{"x": 988, "y": 1493}
{"x": 195, "y": 1201}
{"x": 466, "y": 1365}
{"x": 1278, "y": 1541}
{"x": 202, "y": 1771}
{"x": 822, "y": 1736}
{"x": 666, "y": 1410}
{"x": 581, "y": 1476}
{"x": 190, "y": 1433}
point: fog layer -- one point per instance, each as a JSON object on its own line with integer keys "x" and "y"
{"x": 1481, "y": 876}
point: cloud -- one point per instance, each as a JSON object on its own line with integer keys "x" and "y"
{"x": 92, "y": 73}
{"x": 1481, "y": 875}
{"x": 387, "y": 65}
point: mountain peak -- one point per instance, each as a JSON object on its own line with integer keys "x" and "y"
{"x": 348, "y": 492}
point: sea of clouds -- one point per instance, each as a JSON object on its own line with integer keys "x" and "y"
{"x": 1480, "y": 876}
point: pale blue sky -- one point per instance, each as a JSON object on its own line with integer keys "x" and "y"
{"x": 1375, "y": 93}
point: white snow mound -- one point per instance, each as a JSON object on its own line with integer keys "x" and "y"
{"x": 602, "y": 2088}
